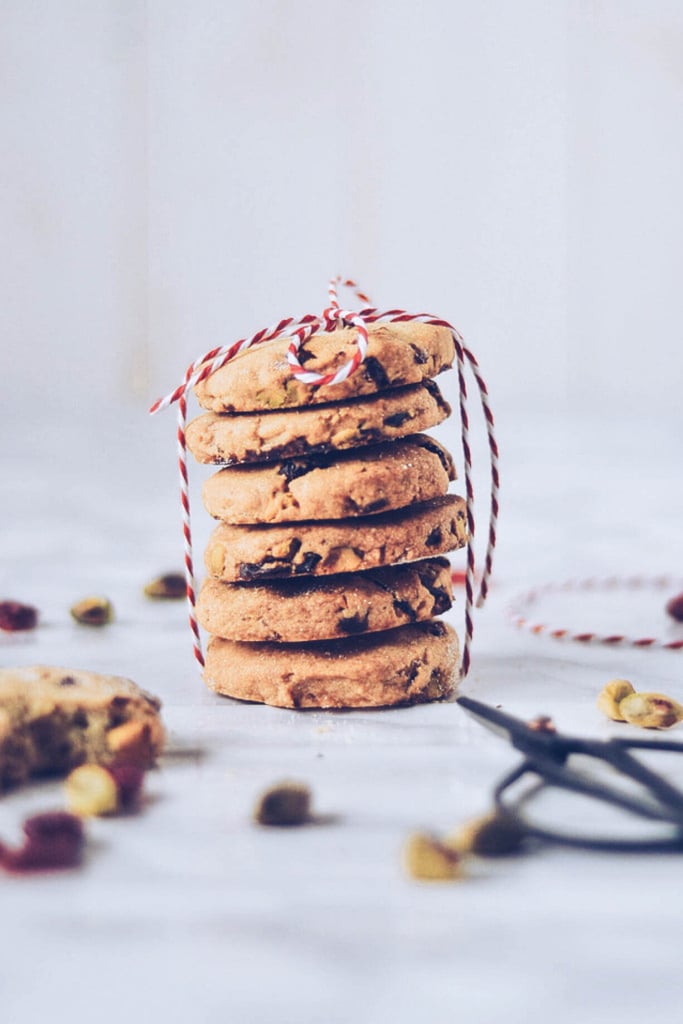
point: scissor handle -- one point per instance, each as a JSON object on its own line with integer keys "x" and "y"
{"x": 564, "y": 777}
{"x": 671, "y": 745}
{"x": 568, "y": 779}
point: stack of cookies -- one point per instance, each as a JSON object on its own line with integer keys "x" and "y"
{"x": 326, "y": 570}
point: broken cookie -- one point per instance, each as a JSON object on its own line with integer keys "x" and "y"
{"x": 54, "y": 719}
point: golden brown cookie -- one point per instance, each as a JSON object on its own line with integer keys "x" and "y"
{"x": 261, "y": 553}
{"x": 53, "y": 719}
{"x": 265, "y": 436}
{"x": 408, "y": 665}
{"x": 260, "y": 378}
{"x": 332, "y": 486}
{"x": 326, "y": 607}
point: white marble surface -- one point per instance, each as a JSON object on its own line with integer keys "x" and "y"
{"x": 190, "y": 912}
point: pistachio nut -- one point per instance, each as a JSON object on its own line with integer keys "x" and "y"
{"x": 494, "y": 835}
{"x": 651, "y": 710}
{"x": 427, "y": 859}
{"x": 93, "y": 611}
{"x": 169, "y": 587}
{"x": 286, "y": 803}
{"x": 91, "y": 791}
{"x": 611, "y": 696}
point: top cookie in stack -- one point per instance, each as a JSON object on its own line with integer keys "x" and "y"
{"x": 326, "y": 569}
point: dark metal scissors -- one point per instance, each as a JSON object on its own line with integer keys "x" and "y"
{"x": 546, "y": 754}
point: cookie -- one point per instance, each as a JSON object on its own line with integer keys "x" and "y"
{"x": 265, "y": 436}
{"x": 53, "y": 719}
{"x": 332, "y": 486}
{"x": 260, "y": 378}
{"x": 324, "y": 608}
{"x": 408, "y": 665}
{"x": 261, "y": 553}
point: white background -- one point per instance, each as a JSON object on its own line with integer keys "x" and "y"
{"x": 175, "y": 175}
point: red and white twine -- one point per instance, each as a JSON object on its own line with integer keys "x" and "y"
{"x": 521, "y": 605}
{"x": 299, "y": 330}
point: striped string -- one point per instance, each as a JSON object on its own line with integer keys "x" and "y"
{"x": 521, "y": 605}
{"x": 299, "y": 330}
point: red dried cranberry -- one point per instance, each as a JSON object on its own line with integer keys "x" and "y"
{"x": 15, "y": 616}
{"x": 53, "y": 825}
{"x": 53, "y": 840}
{"x": 128, "y": 778}
{"x": 675, "y": 607}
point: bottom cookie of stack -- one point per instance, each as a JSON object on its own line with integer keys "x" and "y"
{"x": 407, "y": 665}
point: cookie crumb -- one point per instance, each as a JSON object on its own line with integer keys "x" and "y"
{"x": 285, "y": 803}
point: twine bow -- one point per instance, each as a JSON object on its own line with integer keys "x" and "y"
{"x": 299, "y": 330}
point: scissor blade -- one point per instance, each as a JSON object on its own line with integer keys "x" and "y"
{"x": 495, "y": 720}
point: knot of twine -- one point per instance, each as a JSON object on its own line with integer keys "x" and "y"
{"x": 299, "y": 330}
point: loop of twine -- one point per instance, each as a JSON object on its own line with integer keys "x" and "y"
{"x": 299, "y": 330}
{"x": 522, "y": 603}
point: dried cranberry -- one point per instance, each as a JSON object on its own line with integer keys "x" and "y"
{"x": 53, "y": 840}
{"x": 15, "y": 616}
{"x": 675, "y": 608}
{"x": 128, "y": 778}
